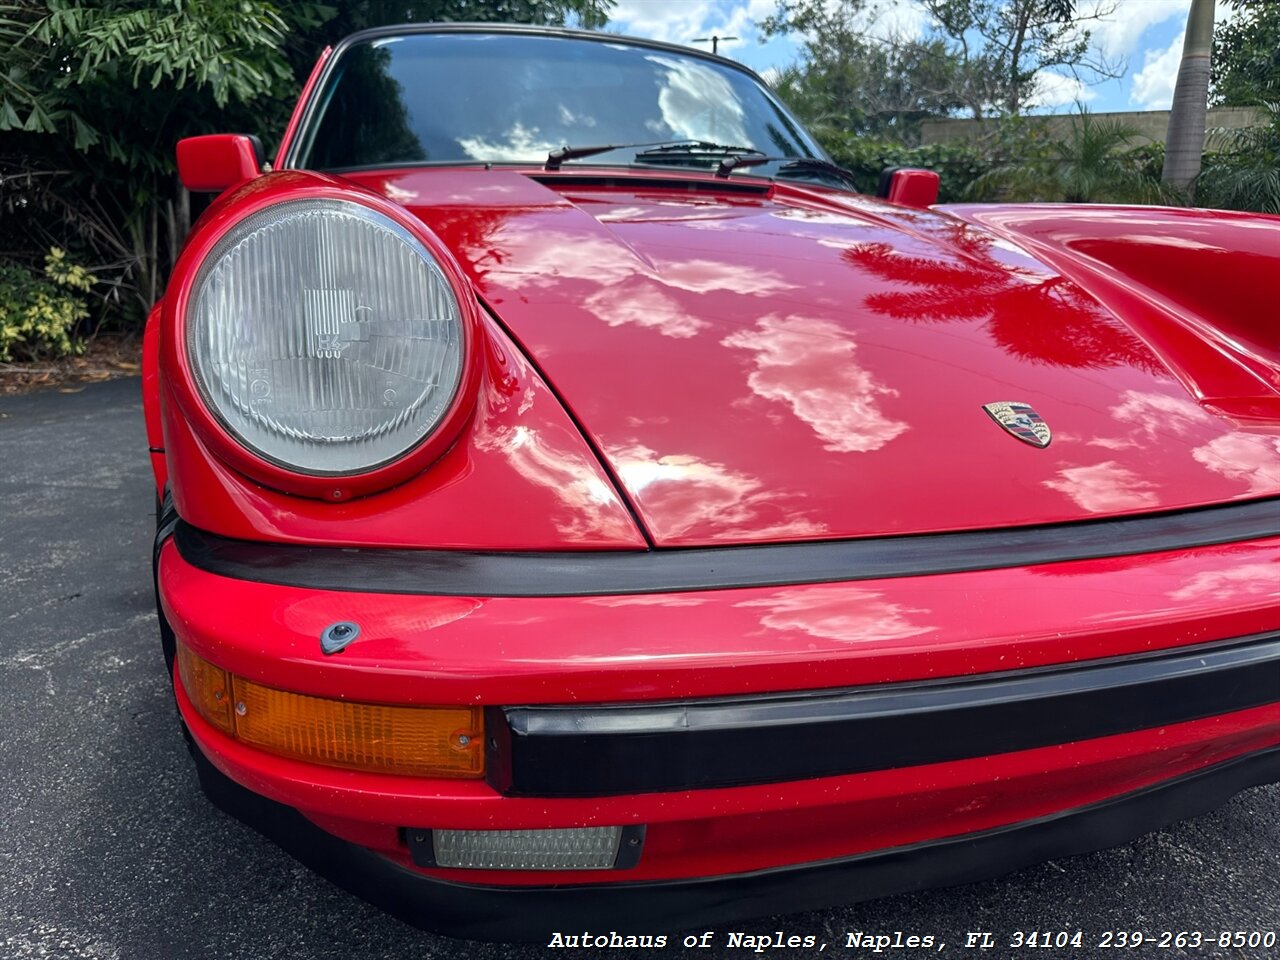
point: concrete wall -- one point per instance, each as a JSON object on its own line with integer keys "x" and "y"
{"x": 1150, "y": 124}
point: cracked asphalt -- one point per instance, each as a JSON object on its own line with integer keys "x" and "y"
{"x": 109, "y": 850}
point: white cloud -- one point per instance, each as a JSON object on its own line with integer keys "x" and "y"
{"x": 1153, "y": 84}
{"x": 741, "y": 23}
{"x": 672, "y": 21}
{"x": 683, "y": 21}
{"x": 903, "y": 18}
{"x": 1058, "y": 90}
{"x": 1119, "y": 34}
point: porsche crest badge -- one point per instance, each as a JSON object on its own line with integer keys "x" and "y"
{"x": 1020, "y": 420}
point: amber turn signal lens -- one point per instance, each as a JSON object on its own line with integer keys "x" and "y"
{"x": 414, "y": 741}
{"x": 208, "y": 688}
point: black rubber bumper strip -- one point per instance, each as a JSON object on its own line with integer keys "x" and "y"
{"x": 597, "y": 573}
{"x": 533, "y": 913}
{"x": 606, "y": 750}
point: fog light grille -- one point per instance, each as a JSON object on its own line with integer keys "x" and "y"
{"x": 567, "y": 848}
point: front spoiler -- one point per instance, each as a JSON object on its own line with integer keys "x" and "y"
{"x": 532, "y": 914}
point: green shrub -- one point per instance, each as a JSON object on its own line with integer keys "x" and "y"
{"x": 1093, "y": 163}
{"x": 38, "y": 314}
{"x": 956, "y": 164}
{"x": 1242, "y": 171}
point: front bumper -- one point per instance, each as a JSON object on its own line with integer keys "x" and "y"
{"x": 950, "y": 738}
{"x": 481, "y": 912}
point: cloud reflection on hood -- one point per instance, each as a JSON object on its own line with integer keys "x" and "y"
{"x": 811, "y": 365}
{"x": 1105, "y": 488}
{"x": 683, "y": 496}
{"x": 1234, "y": 584}
{"x": 1251, "y": 460}
{"x": 849, "y": 614}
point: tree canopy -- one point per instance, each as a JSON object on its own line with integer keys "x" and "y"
{"x": 850, "y": 81}
{"x": 981, "y": 57}
{"x": 93, "y": 98}
{"x": 1246, "y": 55}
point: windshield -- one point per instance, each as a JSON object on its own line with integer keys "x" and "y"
{"x": 513, "y": 98}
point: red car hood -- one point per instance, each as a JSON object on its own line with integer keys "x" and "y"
{"x": 773, "y": 365}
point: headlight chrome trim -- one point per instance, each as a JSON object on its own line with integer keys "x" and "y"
{"x": 216, "y": 435}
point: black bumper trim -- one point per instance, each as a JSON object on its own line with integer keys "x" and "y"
{"x": 533, "y": 913}
{"x": 585, "y": 573}
{"x": 604, "y": 750}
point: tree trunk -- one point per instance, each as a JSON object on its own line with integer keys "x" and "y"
{"x": 171, "y": 233}
{"x": 153, "y": 266}
{"x": 1015, "y": 59}
{"x": 1184, "y": 143}
{"x": 184, "y": 218}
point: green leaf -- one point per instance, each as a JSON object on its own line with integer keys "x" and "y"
{"x": 85, "y": 135}
{"x": 38, "y": 121}
{"x": 8, "y": 116}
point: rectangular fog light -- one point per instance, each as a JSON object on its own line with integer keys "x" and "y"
{"x": 567, "y": 848}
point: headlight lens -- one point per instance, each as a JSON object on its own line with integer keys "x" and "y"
{"x": 324, "y": 336}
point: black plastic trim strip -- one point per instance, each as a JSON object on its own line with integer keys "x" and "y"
{"x": 643, "y": 178}
{"x": 531, "y": 914}
{"x": 608, "y": 750}
{"x": 603, "y": 573}
{"x": 166, "y": 521}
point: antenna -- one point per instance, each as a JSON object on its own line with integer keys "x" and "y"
{"x": 714, "y": 40}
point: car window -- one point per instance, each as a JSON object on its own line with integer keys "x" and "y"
{"x": 463, "y": 98}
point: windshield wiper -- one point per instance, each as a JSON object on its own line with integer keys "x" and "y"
{"x": 677, "y": 150}
{"x": 557, "y": 157}
{"x": 698, "y": 148}
{"x": 799, "y": 164}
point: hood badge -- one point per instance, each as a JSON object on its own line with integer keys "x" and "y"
{"x": 1020, "y": 420}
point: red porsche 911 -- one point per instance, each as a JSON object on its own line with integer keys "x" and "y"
{"x": 579, "y": 505}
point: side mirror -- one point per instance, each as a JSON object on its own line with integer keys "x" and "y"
{"x": 212, "y": 163}
{"x": 909, "y": 186}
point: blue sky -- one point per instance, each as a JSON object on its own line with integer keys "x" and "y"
{"x": 1145, "y": 34}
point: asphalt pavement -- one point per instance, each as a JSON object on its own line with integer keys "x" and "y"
{"x": 109, "y": 850}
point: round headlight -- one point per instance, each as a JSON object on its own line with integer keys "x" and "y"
{"x": 324, "y": 337}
